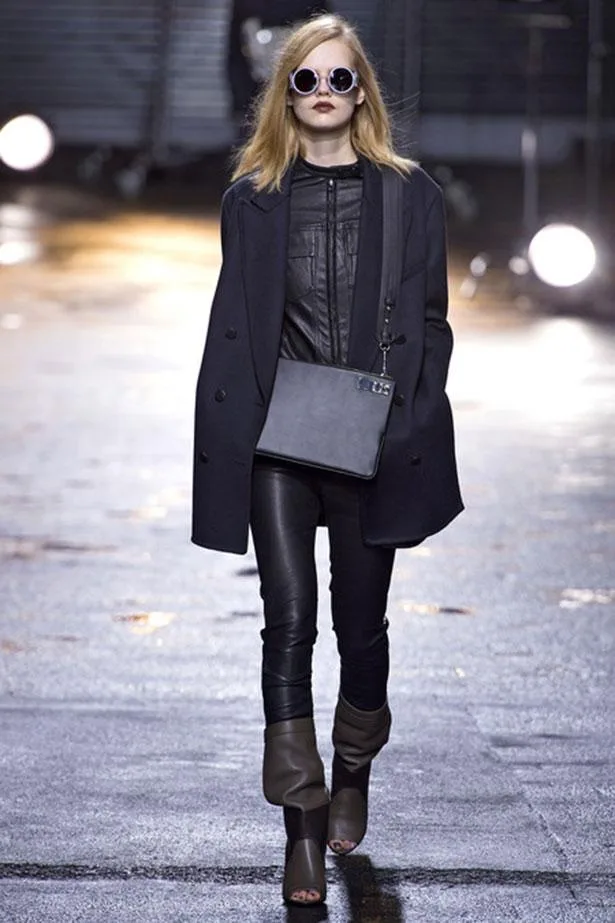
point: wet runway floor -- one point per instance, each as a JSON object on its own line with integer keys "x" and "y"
{"x": 129, "y": 690}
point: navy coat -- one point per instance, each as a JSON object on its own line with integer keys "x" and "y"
{"x": 415, "y": 492}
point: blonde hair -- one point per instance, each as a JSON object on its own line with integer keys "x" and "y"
{"x": 275, "y": 141}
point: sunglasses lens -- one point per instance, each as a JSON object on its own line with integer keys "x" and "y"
{"x": 305, "y": 80}
{"x": 341, "y": 80}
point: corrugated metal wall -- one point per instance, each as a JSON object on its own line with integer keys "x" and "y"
{"x": 198, "y": 97}
{"x": 87, "y": 65}
{"x": 475, "y": 59}
{"x": 91, "y": 65}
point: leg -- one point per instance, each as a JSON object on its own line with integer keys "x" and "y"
{"x": 360, "y": 579}
{"x": 284, "y": 516}
{"x": 285, "y": 513}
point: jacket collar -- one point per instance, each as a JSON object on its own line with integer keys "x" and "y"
{"x": 267, "y": 201}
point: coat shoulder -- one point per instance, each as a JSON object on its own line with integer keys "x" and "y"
{"x": 419, "y": 182}
{"x": 242, "y": 188}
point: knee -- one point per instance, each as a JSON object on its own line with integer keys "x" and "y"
{"x": 363, "y": 645}
{"x": 290, "y": 623}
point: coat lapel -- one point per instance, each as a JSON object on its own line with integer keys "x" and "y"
{"x": 264, "y": 228}
{"x": 363, "y": 347}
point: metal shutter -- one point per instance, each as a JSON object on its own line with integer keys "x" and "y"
{"x": 85, "y": 65}
{"x": 90, "y": 66}
{"x": 474, "y": 60}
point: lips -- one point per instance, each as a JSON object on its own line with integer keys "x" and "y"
{"x": 324, "y": 107}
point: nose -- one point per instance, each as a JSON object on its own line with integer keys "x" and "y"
{"x": 323, "y": 86}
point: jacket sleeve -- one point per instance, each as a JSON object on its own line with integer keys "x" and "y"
{"x": 225, "y": 221}
{"x": 438, "y": 334}
{"x": 218, "y": 307}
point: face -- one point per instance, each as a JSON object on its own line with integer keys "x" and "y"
{"x": 324, "y": 111}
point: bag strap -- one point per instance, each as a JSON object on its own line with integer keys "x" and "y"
{"x": 390, "y": 280}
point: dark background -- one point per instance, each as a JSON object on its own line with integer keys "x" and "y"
{"x": 92, "y": 68}
{"x": 138, "y": 97}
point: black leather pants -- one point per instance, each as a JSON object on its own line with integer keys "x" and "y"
{"x": 288, "y": 502}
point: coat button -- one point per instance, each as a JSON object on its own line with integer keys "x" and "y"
{"x": 204, "y": 457}
{"x": 231, "y": 333}
{"x": 399, "y": 399}
{"x": 220, "y": 395}
{"x": 414, "y": 459}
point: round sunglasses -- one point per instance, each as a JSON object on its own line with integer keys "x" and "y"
{"x": 340, "y": 80}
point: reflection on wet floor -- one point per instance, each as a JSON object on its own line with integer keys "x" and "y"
{"x": 86, "y": 230}
{"x": 20, "y": 548}
{"x": 19, "y": 238}
{"x": 67, "y": 241}
{"x": 143, "y": 652}
{"x": 145, "y": 623}
{"x": 64, "y": 251}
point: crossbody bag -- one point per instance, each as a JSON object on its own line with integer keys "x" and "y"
{"x": 335, "y": 417}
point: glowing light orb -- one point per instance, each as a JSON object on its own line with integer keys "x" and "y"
{"x": 562, "y": 255}
{"x": 26, "y": 142}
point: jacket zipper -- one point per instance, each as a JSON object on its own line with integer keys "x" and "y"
{"x": 334, "y": 330}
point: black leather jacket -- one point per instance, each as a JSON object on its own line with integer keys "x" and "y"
{"x": 325, "y": 208}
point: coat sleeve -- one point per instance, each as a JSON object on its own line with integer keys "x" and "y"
{"x": 225, "y": 220}
{"x": 218, "y": 309}
{"x": 438, "y": 334}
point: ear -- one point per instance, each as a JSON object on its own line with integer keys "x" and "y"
{"x": 360, "y": 96}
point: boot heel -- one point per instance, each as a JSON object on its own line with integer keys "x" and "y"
{"x": 348, "y": 809}
{"x": 305, "y": 871}
{"x": 305, "y": 854}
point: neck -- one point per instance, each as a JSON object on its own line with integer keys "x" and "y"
{"x": 329, "y": 151}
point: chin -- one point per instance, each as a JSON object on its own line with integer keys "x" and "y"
{"x": 325, "y": 124}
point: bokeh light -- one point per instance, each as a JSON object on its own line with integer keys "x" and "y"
{"x": 562, "y": 255}
{"x": 26, "y": 142}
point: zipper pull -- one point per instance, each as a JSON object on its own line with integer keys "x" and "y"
{"x": 384, "y": 371}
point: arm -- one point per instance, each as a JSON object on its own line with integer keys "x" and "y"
{"x": 216, "y": 321}
{"x": 438, "y": 334}
{"x": 225, "y": 218}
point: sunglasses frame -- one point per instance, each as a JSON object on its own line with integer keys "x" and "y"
{"x": 355, "y": 80}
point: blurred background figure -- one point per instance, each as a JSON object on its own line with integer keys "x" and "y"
{"x": 257, "y": 29}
